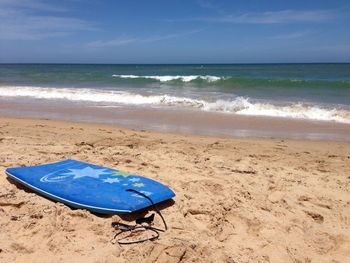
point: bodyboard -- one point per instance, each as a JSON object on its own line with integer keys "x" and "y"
{"x": 92, "y": 187}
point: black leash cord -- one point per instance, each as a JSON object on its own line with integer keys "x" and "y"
{"x": 121, "y": 242}
{"x": 129, "y": 228}
{"x": 153, "y": 205}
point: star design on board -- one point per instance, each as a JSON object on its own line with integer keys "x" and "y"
{"x": 86, "y": 172}
{"x": 120, "y": 173}
{"x": 138, "y": 185}
{"x": 111, "y": 180}
{"x": 134, "y": 180}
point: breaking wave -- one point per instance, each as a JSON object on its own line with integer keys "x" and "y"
{"x": 231, "y": 82}
{"x": 238, "y": 105}
{"x": 171, "y": 78}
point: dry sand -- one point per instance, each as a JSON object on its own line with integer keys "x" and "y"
{"x": 238, "y": 200}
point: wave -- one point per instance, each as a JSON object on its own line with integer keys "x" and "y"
{"x": 244, "y": 106}
{"x": 96, "y": 95}
{"x": 171, "y": 78}
{"x": 229, "y": 82}
{"x": 238, "y": 105}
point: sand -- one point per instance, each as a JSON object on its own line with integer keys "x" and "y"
{"x": 238, "y": 200}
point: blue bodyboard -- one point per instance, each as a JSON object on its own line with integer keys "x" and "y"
{"x": 92, "y": 187}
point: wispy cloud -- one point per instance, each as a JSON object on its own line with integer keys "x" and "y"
{"x": 339, "y": 48}
{"x": 269, "y": 17}
{"x": 124, "y": 40}
{"x": 110, "y": 43}
{"x": 206, "y": 4}
{"x": 284, "y": 16}
{"x": 20, "y": 20}
{"x": 291, "y": 35}
{"x": 32, "y": 5}
{"x": 170, "y": 36}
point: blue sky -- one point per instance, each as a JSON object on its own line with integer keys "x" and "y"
{"x": 197, "y": 31}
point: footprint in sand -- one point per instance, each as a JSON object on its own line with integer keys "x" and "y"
{"x": 315, "y": 216}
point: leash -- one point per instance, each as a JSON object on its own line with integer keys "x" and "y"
{"x": 142, "y": 225}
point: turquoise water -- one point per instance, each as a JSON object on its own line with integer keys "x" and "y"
{"x": 307, "y": 91}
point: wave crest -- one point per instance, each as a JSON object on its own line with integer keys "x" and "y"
{"x": 171, "y": 78}
{"x": 243, "y": 106}
{"x": 238, "y": 105}
{"x": 231, "y": 82}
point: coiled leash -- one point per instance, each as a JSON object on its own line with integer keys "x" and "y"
{"x": 142, "y": 224}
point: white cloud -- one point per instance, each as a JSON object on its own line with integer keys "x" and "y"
{"x": 338, "y": 48}
{"x": 209, "y": 5}
{"x": 20, "y": 20}
{"x": 169, "y": 36}
{"x": 269, "y": 17}
{"x": 31, "y": 4}
{"x": 111, "y": 43}
{"x": 283, "y": 16}
{"x": 124, "y": 40}
{"x": 291, "y": 35}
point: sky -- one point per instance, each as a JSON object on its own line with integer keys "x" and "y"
{"x": 183, "y": 31}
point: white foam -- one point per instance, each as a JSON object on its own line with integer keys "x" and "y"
{"x": 96, "y": 95}
{"x": 170, "y": 78}
{"x": 243, "y": 106}
{"x": 239, "y": 105}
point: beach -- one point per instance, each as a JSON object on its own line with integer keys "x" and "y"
{"x": 163, "y": 131}
{"x": 237, "y": 199}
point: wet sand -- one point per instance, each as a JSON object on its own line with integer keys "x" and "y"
{"x": 238, "y": 199}
{"x": 179, "y": 121}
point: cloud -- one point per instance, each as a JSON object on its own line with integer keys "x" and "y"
{"x": 279, "y": 17}
{"x": 339, "y": 48}
{"x": 170, "y": 36}
{"x": 292, "y": 35}
{"x": 269, "y": 17}
{"x": 23, "y": 20}
{"x": 209, "y": 5}
{"x": 111, "y": 43}
{"x": 124, "y": 40}
{"x": 32, "y": 5}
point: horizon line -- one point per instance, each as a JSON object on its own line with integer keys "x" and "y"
{"x": 211, "y": 63}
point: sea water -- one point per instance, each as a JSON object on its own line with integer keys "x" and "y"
{"x": 315, "y": 92}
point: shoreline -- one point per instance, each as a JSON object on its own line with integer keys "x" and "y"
{"x": 180, "y": 121}
{"x": 184, "y": 133}
{"x": 237, "y": 199}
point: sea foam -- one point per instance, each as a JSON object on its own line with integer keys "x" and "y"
{"x": 237, "y": 105}
{"x": 171, "y": 78}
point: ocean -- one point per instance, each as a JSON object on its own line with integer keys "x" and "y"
{"x": 309, "y": 92}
